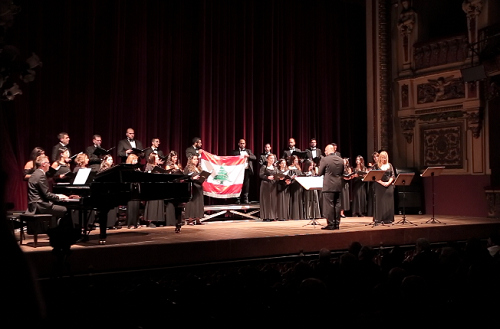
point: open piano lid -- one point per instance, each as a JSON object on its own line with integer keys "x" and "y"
{"x": 127, "y": 173}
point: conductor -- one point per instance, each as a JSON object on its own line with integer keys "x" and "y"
{"x": 332, "y": 169}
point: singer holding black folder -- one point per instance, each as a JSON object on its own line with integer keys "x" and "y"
{"x": 61, "y": 166}
{"x": 384, "y": 191}
{"x": 94, "y": 159}
{"x": 195, "y": 208}
{"x": 268, "y": 194}
{"x": 126, "y": 146}
{"x": 155, "y": 143}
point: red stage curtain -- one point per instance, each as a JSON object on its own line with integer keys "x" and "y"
{"x": 222, "y": 70}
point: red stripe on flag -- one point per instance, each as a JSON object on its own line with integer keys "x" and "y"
{"x": 233, "y": 160}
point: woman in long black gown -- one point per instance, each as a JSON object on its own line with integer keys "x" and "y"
{"x": 296, "y": 198}
{"x": 268, "y": 190}
{"x": 175, "y": 168}
{"x": 311, "y": 198}
{"x": 282, "y": 191}
{"x": 61, "y": 166}
{"x": 154, "y": 210}
{"x": 194, "y": 209}
{"x": 384, "y": 191}
{"x": 345, "y": 195}
{"x": 359, "y": 188}
{"x": 370, "y": 187}
{"x": 173, "y": 165}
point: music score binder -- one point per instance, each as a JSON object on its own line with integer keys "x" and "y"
{"x": 100, "y": 152}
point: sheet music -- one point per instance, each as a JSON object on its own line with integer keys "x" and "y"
{"x": 81, "y": 176}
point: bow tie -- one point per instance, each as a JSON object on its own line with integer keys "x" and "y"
{"x": 131, "y": 141}
{"x": 241, "y": 150}
{"x": 313, "y": 148}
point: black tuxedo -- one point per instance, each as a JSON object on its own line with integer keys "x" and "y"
{"x": 40, "y": 198}
{"x": 151, "y": 150}
{"x": 192, "y": 151}
{"x": 287, "y": 153}
{"x": 124, "y": 145}
{"x": 310, "y": 154}
{"x": 332, "y": 167}
{"x": 248, "y": 172}
{"x": 55, "y": 151}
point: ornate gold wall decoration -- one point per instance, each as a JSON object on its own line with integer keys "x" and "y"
{"x": 408, "y": 126}
{"x": 405, "y": 102}
{"x": 474, "y": 122}
{"x": 443, "y": 146}
{"x": 441, "y": 89}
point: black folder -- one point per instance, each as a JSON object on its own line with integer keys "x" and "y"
{"x": 100, "y": 152}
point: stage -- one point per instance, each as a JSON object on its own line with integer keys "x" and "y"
{"x": 220, "y": 241}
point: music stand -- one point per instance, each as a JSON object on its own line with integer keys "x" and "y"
{"x": 432, "y": 171}
{"x": 404, "y": 180}
{"x": 311, "y": 183}
{"x": 373, "y": 176}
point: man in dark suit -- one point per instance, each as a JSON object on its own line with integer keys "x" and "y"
{"x": 126, "y": 145}
{"x": 194, "y": 149}
{"x": 263, "y": 155}
{"x": 63, "y": 232}
{"x": 155, "y": 143}
{"x": 94, "y": 160}
{"x": 247, "y": 153}
{"x": 39, "y": 197}
{"x": 288, "y": 152}
{"x": 332, "y": 167}
{"x": 63, "y": 143}
{"x": 313, "y": 152}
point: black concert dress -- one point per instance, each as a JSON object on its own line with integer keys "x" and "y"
{"x": 282, "y": 198}
{"x": 195, "y": 207}
{"x": 311, "y": 203}
{"x": 384, "y": 198}
{"x": 345, "y": 195}
{"x": 268, "y": 194}
{"x": 359, "y": 194}
{"x": 154, "y": 210}
{"x": 296, "y": 197}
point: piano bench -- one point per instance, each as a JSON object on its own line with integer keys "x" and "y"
{"x": 25, "y": 218}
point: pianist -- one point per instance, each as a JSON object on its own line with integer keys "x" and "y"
{"x": 62, "y": 231}
{"x": 39, "y": 198}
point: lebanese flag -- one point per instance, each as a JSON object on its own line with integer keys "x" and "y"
{"x": 227, "y": 173}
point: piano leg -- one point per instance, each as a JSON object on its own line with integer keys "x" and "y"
{"x": 103, "y": 223}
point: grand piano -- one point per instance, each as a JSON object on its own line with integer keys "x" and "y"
{"x": 120, "y": 184}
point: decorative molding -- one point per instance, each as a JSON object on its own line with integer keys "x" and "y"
{"x": 493, "y": 199}
{"x": 439, "y": 109}
{"x": 474, "y": 122}
{"x": 407, "y": 18}
{"x": 408, "y": 126}
{"x": 441, "y": 116}
{"x": 384, "y": 58}
{"x": 472, "y": 9}
{"x": 440, "y": 89}
{"x": 443, "y": 145}
{"x": 405, "y": 94}
{"x": 440, "y": 52}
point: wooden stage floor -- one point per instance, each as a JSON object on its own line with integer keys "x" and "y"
{"x": 218, "y": 241}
